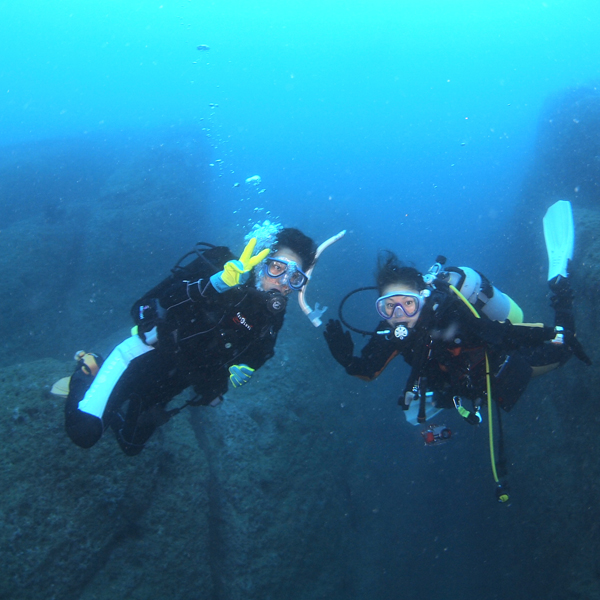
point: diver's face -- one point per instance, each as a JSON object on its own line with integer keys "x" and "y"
{"x": 407, "y": 302}
{"x": 268, "y": 284}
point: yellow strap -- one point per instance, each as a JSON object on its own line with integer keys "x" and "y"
{"x": 488, "y": 380}
{"x": 490, "y": 420}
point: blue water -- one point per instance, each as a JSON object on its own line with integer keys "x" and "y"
{"x": 409, "y": 124}
{"x": 393, "y": 119}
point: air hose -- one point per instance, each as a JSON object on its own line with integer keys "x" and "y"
{"x": 501, "y": 488}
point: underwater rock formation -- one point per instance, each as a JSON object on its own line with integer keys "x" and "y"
{"x": 69, "y": 514}
{"x": 567, "y": 151}
{"x": 229, "y": 502}
{"x": 88, "y": 226}
{"x": 563, "y": 447}
{"x": 566, "y": 455}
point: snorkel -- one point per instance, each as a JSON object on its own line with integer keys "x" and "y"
{"x": 315, "y": 314}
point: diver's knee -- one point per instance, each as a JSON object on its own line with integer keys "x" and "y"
{"x": 83, "y": 429}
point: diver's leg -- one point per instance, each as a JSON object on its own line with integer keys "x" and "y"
{"x": 546, "y": 358}
{"x": 92, "y": 401}
{"x": 139, "y": 423}
{"x": 83, "y": 429}
{"x": 562, "y": 303}
{"x": 148, "y": 386}
{"x": 561, "y": 300}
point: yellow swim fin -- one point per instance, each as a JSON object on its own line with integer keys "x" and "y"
{"x": 61, "y": 387}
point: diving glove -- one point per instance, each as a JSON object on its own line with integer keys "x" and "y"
{"x": 240, "y": 374}
{"x": 236, "y": 272}
{"x": 340, "y": 342}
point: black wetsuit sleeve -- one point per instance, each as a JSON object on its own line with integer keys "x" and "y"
{"x": 508, "y": 336}
{"x": 373, "y": 359}
{"x": 502, "y": 334}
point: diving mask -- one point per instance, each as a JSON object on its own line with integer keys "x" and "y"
{"x": 401, "y": 304}
{"x": 286, "y": 271}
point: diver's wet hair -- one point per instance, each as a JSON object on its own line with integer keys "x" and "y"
{"x": 301, "y": 244}
{"x": 391, "y": 270}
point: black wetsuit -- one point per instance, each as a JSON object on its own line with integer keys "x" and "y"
{"x": 201, "y": 333}
{"x": 447, "y": 349}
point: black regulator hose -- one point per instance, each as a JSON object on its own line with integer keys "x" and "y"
{"x": 341, "y": 316}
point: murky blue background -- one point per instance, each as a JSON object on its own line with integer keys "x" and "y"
{"x": 394, "y": 118}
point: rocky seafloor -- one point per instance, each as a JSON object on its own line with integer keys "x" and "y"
{"x": 220, "y": 498}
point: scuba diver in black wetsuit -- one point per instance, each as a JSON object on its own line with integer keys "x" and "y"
{"x": 198, "y": 331}
{"x": 462, "y": 337}
{"x": 445, "y": 343}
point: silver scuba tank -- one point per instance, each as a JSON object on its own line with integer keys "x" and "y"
{"x": 478, "y": 290}
{"x": 484, "y": 296}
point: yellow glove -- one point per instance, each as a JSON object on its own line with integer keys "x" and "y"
{"x": 236, "y": 272}
{"x": 240, "y": 374}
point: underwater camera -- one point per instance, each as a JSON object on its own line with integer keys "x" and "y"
{"x": 435, "y": 435}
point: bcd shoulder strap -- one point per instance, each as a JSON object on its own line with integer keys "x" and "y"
{"x": 208, "y": 260}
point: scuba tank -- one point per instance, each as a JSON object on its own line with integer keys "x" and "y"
{"x": 477, "y": 289}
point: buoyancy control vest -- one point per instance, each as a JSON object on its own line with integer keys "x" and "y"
{"x": 150, "y": 309}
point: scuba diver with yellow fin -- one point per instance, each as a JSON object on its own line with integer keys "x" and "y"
{"x": 212, "y": 322}
{"x": 464, "y": 339}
